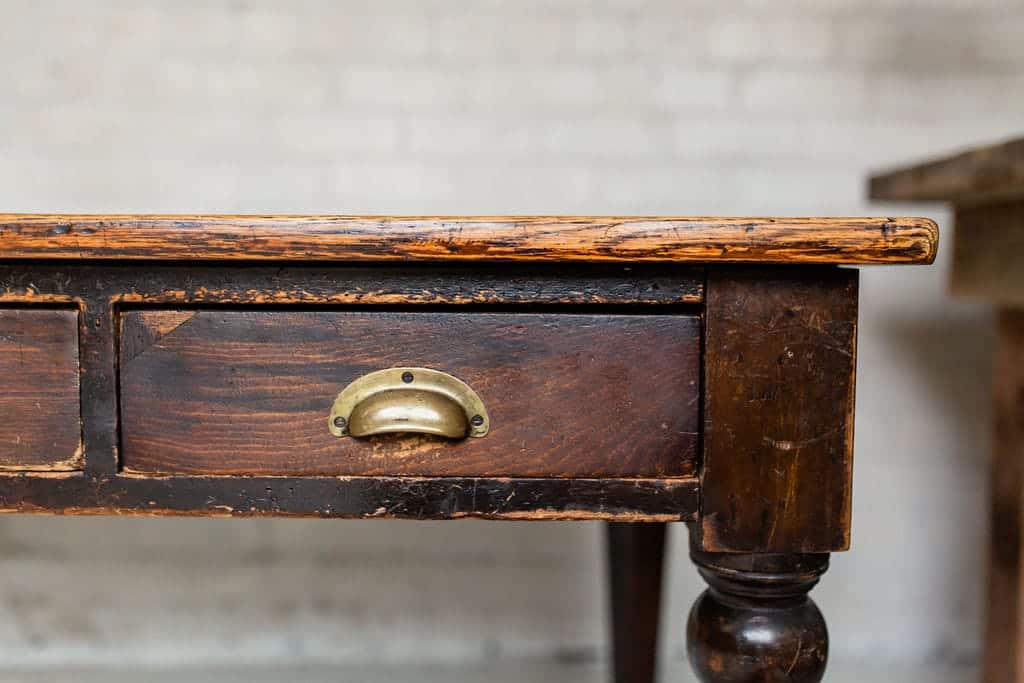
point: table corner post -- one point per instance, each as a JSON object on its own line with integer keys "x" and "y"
{"x": 776, "y": 471}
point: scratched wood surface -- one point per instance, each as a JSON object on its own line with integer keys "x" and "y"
{"x": 41, "y": 427}
{"x": 983, "y": 174}
{"x": 249, "y": 392}
{"x": 100, "y": 288}
{"x": 510, "y": 284}
{"x": 628, "y": 500}
{"x": 473, "y": 238}
{"x": 779, "y": 383}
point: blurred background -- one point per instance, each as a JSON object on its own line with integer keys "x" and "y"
{"x": 508, "y": 106}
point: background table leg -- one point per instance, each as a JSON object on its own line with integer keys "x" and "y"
{"x": 1004, "y": 640}
{"x": 636, "y": 558}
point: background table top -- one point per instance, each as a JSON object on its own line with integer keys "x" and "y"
{"x": 987, "y": 173}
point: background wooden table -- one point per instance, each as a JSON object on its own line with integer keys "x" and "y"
{"x": 986, "y": 188}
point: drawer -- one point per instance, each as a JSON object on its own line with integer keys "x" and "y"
{"x": 230, "y": 392}
{"x": 41, "y": 426}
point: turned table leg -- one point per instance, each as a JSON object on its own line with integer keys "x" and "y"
{"x": 636, "y": 558}
{"x": 755, "y": 622}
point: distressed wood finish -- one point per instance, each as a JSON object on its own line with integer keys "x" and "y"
{"x": 41, "y": 429}
{"x": 536, "y": 285}
{"x": 508, "y": 238}
{"x": 984, "y": 174}
{"x": 756, "y": 623}
{"x": 212, "y": 349}
{"x": 988, "y": 253}
{"x": 645, "y": 500}
{"x": 1004, "y": 634}
{"x": 779, "y": 383}
{"x": 249, "y": 392}
{"x": 99, "y": 288}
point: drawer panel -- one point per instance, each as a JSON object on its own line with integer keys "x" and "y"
{"x": 41, "y": 426}
{"x": 249, "y": 392}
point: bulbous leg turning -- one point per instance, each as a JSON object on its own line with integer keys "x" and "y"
{"x": 755, "y": 622}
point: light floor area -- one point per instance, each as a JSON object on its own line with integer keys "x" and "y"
{"x": 502, "y": 672}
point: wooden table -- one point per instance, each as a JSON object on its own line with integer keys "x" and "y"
{"x": 634, "y": 370}
{"x": 986, "y": 188}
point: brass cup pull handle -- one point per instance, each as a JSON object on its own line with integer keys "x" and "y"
{"x": 408, "y": 400}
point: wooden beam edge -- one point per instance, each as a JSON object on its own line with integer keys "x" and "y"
{"x": 632, "y": 500}
{"x": 841, "y": 241}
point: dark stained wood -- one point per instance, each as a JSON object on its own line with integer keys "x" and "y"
{"x": 471, "y": 238}
{"x": 756, "y": 623}
{"x": 41, "y": 429}
{"x": 249, "y": 392}
{"x": 988, "y": 253}
{"x": 99, "y": 287}
{"x": 982, "y": 174}
{"x": 778, "y": 408}
{"x": 1004, "y": 633}
{"x": 636, "y": 554}
{"x": 354, "y": 497}
{"x": 99, "y": 384}
{"x": 538, "y": 284}
{"x": 213, "y": 347}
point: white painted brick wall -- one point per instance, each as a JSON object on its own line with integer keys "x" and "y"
{"x": 517, "y": 106}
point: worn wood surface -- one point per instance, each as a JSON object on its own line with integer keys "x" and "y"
{"x": 636, "y": 560}
{"x": 536, "y": 284}
{"x": 988, "y": 253}
{"x": 473, "y": 238}
{"x": 756, "y": 623}
{"x": 983, "y": 174}
{"x": 1004, "y": 634}
{"x": 650, "y": 500}
{"x": 41, "y": 428}
{"x": 249, "y": 392}
{"x": 778, "y": 410}
{"x": 98, "y": 288}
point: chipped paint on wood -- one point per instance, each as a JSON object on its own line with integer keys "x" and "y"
{"x": 354, "y": 497}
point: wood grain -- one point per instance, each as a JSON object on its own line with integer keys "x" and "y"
{"x": 98, "y": 288}
{"x": 248, "y": 392}
{"x": 988, "y": 253}
{"x": 779, "y": 383}
{"x": 434, "y": 238}
{"x": 41, "y": 427}
{"x": 649, "y": 500}
{"x": 534, "y": 284}
{"x": 1004, "y": 635}
{"x": 756, "y": 622}
{"x": 982, "y": 174}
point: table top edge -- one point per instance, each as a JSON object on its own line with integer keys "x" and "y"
{"x": 665, "y": 239}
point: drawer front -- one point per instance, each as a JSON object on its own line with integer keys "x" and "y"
{"x": 41, "y": 426}
{"x": 249, "y": 392}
